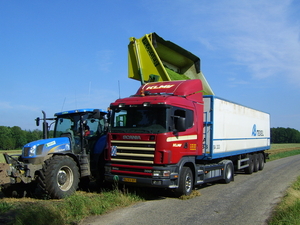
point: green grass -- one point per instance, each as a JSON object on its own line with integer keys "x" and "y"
{"x": 4, "y": 207}
{"x": 287, "y": 212}
{"x": 274, "y": 156}
{"x": 278, "y": 151}
{"x": 70, "y": 210}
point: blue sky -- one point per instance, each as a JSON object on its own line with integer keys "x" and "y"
{"x": 61, "y": 55}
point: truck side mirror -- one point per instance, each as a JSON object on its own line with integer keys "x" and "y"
{"x": 180, "y": 124}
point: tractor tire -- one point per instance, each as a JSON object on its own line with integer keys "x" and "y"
{"x": 186, "y": 182}
{"x": 59, "y": 177}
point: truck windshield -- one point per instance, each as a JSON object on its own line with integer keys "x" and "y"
{"x": 139, "y": 120}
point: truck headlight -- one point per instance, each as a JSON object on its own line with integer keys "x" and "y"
{"x": 161, "y": 173}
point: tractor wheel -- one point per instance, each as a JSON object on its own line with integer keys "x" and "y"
{"x": 60, "y": 177}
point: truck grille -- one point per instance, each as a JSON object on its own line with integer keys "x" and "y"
{"x": 134, "y": 151}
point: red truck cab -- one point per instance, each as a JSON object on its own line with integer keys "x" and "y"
{"x": 154, "y": 132}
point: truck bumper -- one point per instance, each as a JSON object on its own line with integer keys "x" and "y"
{"x": 142, "y": 181}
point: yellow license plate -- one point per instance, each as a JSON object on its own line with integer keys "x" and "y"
{"x": 132, "y": 180}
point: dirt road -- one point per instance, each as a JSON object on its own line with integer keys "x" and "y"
{"x": 248, "y": 200}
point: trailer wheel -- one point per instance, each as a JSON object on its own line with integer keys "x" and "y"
{"x": 59, "y": 177}
{"x": 261, "y": 161}
{"x": 228, "y": 173}
{"x": 186, "y": 182}
{"x": 249, "y": 169}
{"x": 255, "y": 162}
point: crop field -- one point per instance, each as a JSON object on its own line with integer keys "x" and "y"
{"x": 278, "y": 148}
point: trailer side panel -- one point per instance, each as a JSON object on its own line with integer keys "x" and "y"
{"x": 233, "y": 129}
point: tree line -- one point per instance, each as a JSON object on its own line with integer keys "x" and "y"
{"x": 12, "y": 138}
{"x": 16, "y": 138}
{"x": 284, "y": 135}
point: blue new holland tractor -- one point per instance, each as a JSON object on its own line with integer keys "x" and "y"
{"x": 56, "y": 167}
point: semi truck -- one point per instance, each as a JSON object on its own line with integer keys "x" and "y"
{"x": 54, "y": 167}
{"x": 174, "y": 132}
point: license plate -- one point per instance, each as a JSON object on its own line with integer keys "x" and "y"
{"x": 131, "y": 180}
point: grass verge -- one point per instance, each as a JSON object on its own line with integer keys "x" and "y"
{"x": 70, "y": 210}
{"x": 287, "y": 212}
{"x": 277, "y": 155}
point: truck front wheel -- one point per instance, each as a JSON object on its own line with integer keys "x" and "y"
{"x": 186, "y": 182}
{"x": 60, "y": 176}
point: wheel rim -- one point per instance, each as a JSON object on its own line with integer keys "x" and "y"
{"x": 188, "y": 183}
{"x": 65, "y": 178}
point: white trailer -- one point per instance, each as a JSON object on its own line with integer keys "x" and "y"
{"x": 233, "y": 129}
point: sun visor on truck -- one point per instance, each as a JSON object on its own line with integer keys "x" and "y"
{"x": 151, "y": 59}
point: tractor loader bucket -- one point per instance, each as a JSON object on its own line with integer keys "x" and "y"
{"x": 152, "y": 59}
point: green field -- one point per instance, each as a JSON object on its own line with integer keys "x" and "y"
{"x": 9, "y": 152}
{"x": 284, "y": 146}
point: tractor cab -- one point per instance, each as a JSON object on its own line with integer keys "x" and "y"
{"x": 83, "y": 128}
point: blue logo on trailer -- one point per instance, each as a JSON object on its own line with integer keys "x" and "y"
{"x": 254, "y": 130}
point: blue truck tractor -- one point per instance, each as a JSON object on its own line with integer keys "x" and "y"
{"x": 56, "y": 167}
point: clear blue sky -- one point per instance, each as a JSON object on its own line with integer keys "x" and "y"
{"x": 60, "y": 55}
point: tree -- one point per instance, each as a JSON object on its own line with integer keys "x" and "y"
{"x": 33, "y": 135}
{"x": 285, "y": 135}
{"x": 20, "y": 137}
{"x": 6, "y": 140}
